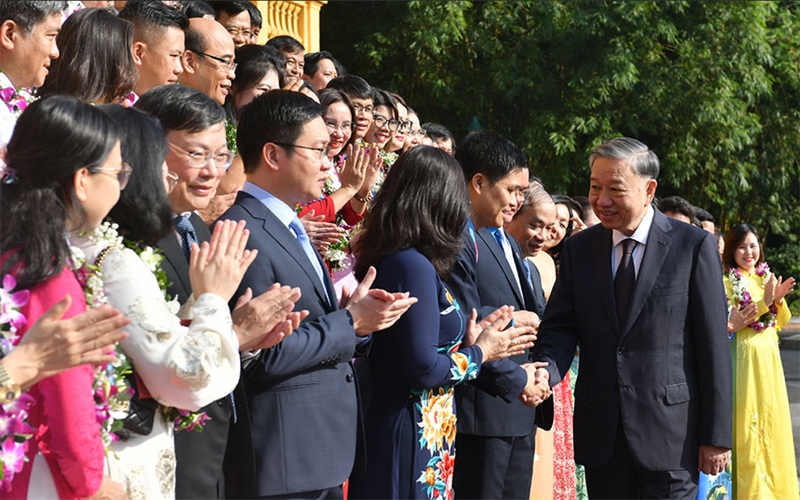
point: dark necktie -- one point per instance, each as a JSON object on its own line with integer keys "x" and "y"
{"x": 186, "y": 231}
{"x": 625, "y": 280}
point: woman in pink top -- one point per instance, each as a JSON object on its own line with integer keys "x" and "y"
{"x": 64, "y": 159}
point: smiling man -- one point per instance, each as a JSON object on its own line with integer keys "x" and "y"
{"x": 28, "y": 31}
{"x": 158, "y": 42}
{"x": 643, "y": 296}
{"x": 208, "y": 62}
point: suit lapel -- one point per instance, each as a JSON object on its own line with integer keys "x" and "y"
{"x": 655, "y": 252}
{"x": 286, "y": 239}
{"x": 601, "y": 248}
{"x": 527, "y": 287}
{"x": 497, "y": 251}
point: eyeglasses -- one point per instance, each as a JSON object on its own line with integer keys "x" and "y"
{"x": 359, "y": 108}
{"x": 405, "y": 126}
{"x": 240, "y": 31}
{"x": 172, "y": 180}
{"x": 421, "y": 132}
{"x": 122, "y": 175}
{"x": 199, "y": 159}
{"x": 381, "y": 121}
{"x": 344, "y": 126}
{"x": 227, "y": 65}
{"x": 322, "y": 152}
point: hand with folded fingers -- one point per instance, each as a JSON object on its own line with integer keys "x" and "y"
{"x": 266, "y": 320}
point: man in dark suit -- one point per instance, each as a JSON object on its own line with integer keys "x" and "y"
{"x": 495, "y": 439}
{"x": 195, "y": 124}
{"x": 302, "y": 393}
{"x": 642, "y": 294}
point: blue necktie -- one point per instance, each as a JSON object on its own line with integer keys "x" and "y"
{"x": 186, "y": 231}
{"x": 498, "y": 236}
{"x": 305, "y": 242}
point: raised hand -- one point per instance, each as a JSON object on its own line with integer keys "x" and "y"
{"x": 321, "y": 234}
{"x": 53, "y": 345}
{"x": 740, "y": 316}
{"x": 783, "y": 288}
{"x": 494, "y": 340}
{"x": 374, "y": 164}
{"x": 219, "y": 265}
{"x": 264, "y": 321}
{"x": 376, "y": 309}
{"x": 355, "y": 168}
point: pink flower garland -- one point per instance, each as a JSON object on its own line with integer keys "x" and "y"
{"x": 742, "y": 297}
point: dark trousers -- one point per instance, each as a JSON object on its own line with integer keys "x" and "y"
{"x": 622, "y": 478}
{"x": 493, "y": 467}
{"x": 335, "y": 493}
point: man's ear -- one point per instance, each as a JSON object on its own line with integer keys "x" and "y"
{"x": 478, "y": 182}
{"x": 80, "y": 181}
{"x": 188, "y": 61}
{"x": 137, "y": 50}
{"x": 8, "y": 30}
{"x": 271, "y": 154}
{"x": 650, "y": 189}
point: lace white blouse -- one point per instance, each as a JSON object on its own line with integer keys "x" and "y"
{"x": 186, "y": 367}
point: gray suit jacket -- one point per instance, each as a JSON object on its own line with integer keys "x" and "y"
{"x": 301, "y": 393}
{"x": 665, "y": 374}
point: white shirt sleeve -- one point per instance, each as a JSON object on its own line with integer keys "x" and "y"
{"x": 186, "y": 367}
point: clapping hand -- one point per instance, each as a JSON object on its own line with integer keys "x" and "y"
{"x": 219, "y": 265}
{"x": 321, "y": 234}
{"x": 374, "y": 309}
{"x": 775, "y": 289}
{"x": 265, "y": 321}
{"x": 742, "y": 316}
{"x": 496, "y": 342}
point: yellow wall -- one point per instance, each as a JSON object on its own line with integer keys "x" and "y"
{"x": 299, "y": 19}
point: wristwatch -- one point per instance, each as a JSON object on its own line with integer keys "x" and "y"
{"x": 9, "y": 390}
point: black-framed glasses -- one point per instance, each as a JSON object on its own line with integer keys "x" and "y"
{"x": 122, "y": 175}
{"x": 420, "y": 132}
{"x": 381, "y": 121}
{"x": 228, "y": 65}
{"x": 406, "y": 126}
{"x": 366, "y": 109}
{"x": 322, "y": 152}
{"x": 200, "y": 158}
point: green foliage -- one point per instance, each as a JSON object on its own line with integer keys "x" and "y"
{"x": 785, "y": 261}
{"x": 712, "y": 87}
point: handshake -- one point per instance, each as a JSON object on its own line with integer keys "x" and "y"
{"x": 538, "y": 387}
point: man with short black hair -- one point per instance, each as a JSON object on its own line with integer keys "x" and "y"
{"x": 28, "y": 31}
{"x": 234, "y": 16}
{"x": 293, "y": 51}
{"x": 302, "y": 395}
{"x": 706, "y": 219}
{"x": 677, "y": 208}
{"x": 158, "y": 42}
{"x": 320, "y": 69}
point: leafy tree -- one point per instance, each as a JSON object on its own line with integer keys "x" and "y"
{"x": 712, "y": 87}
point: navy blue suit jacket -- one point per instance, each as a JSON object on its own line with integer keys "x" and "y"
{"x": 665, "y": 374}
{"x": 301, "y": 393}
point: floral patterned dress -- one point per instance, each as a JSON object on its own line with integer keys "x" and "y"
{"x": 410, "y": 413}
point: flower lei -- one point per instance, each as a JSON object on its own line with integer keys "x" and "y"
{"x": 111, "y": 391}
{"x": 15, "y": 431}
{"x": 16, "y": 99}
{"x": 741, "y": 296}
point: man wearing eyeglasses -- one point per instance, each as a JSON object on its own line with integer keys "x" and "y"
{"x": 360, "y": 94}
{"x": 208, "y": 62}
{"x": 234, "y": 16}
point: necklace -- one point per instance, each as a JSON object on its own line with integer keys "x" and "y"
{"x": 741, "y": 296}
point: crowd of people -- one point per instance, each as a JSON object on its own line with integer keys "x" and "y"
{"x": 202, "y": 233}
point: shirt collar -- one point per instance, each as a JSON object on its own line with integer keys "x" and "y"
{"x": 641, "y": 233}
{"x": 281, "y": 210}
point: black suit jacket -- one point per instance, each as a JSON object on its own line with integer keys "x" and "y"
{"x": 301, "y": 393}
{"x": 665, "y": 374}
{"x": 199, "y": 455}
{"x": 479, "y": 412}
